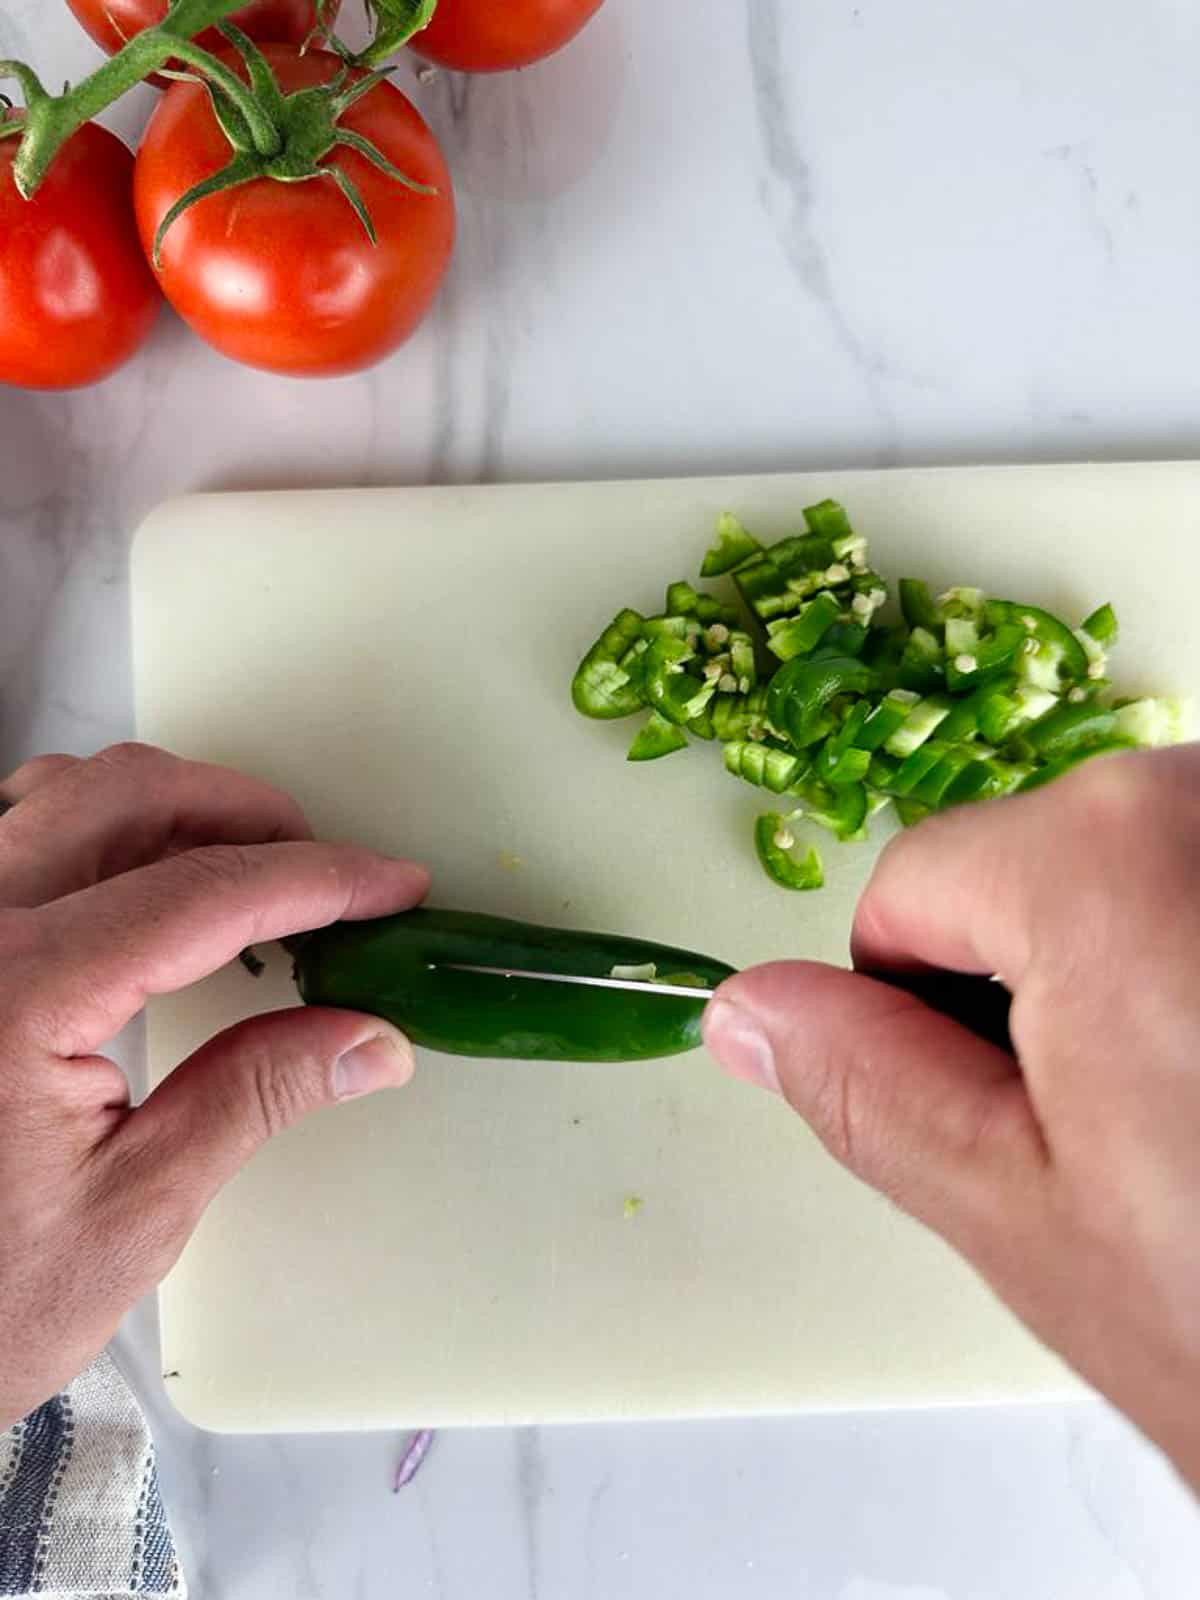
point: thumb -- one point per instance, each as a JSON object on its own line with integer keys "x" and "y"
{"x": 909, "y": 1101}
{"x": 256, "y": 1079}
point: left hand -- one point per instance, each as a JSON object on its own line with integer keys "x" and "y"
{"x": 129, "y": 875}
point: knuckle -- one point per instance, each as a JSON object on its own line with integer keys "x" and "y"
{"x": 1128, "y": 827}
{"x": 131, "y": 754}
{"x": 33, "y": 773}
{"x": 905, "y": 856}
{"x": 282, "y": 1091}
{"x": 835, "y": 1111}
{"x": 219, "y": 866}
{"x": 837, "y": 1118}
{"x": 1114, "y": 796}
{"x": 292, "y": 823}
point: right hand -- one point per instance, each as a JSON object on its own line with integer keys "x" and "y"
{"x": 1069, "y": 1177}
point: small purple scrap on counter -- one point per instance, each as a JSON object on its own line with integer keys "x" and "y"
{"x": 413, "y": 1459}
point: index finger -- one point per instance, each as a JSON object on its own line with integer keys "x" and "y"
{"x": 99, "y": 954}
{"x": 81, "y": 821}
{"x": 955, "y": 892}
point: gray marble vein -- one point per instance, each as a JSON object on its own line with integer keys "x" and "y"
{"x": 1076, "y": 160}
{"x": 789, "y": 195}
{"x": 531, "y": 1482}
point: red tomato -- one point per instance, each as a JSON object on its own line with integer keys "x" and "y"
{"x": 283, "y": 275}
{"x": 76, "y": 296}
{"x": 113, "y": 23}
{"x": 487, "y": 36}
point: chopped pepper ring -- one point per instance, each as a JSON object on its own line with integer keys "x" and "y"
{"x": 968, "y": 698}
{"x": 775, "y": 842}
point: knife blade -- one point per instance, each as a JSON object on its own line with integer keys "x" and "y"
{"x": 676, "y": 991}
{"x": 981, "y": 1005}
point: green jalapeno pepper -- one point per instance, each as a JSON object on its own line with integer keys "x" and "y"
{"x": 989, "y": 658}
{"x": 658, "y": 738}
{"x": 918, "y": 606}
{"x": 1061, "y": 654}
{"x": 602, "y": 687}
{"x": 843, "y": 639}
{"x": 774, "y": 843}
{"x": 788, "y": 637}
{"x": 402, "y": 969}
{"x": 734, "y": 545}
{"x": 801, "y": 691}
{"x": 969, "y": 697}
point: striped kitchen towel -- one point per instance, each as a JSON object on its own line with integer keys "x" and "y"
{"x": 80, "y": 1509}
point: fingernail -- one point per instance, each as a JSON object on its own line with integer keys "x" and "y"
{"x": 740, "y": 1045}
{"x": 382, "y": 1062}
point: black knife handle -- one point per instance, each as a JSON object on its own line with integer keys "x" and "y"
{"x": 980, "y": 1005}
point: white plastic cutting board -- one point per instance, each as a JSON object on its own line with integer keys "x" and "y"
{"x": 459, "y": 1252}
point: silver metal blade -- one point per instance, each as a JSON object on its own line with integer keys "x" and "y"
{"x": 676, "y": 991}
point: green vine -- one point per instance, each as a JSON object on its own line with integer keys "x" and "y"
{"x": 271, "y": 134}
{"x": 395, "y": 22}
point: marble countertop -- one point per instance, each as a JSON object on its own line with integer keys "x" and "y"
{"x": 711, "y": 236}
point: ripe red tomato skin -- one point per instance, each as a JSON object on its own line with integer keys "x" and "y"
{"x": 76, "y": 296}
{"x": 483, "y": 36}
{"x": 111, "y": 23}
{"x": 283, "y": 276}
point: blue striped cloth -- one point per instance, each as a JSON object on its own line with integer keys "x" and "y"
{"x": 80, "y": 1509}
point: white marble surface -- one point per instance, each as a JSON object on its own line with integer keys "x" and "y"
{"x": 720, "y": 234}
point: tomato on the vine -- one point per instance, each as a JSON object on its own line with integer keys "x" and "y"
{"x": 76, "y": 295}
{"x": 485, "y": 36}
{"x": 283, "y": 275}
{"x": 113, "y": 23}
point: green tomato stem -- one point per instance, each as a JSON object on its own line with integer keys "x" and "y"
{"x": 50, "y": 120}
{"x": 266, "y": 136}
{"x": 31, "y": 85}
{"x": 395, "y": 22}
